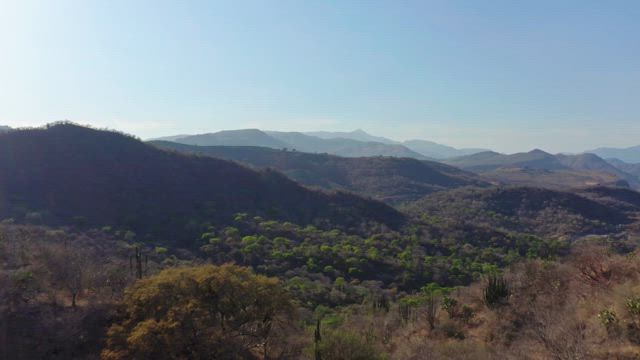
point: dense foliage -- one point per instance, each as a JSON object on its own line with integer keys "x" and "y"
{"x": 333, "y": 268}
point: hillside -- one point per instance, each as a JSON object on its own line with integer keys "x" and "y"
{"x": 488, "y": 161}
{"x": 357, "y": 143}
{"x": 233, "y": 138}
{"x": 358, "y": 134}
{"x": 539, "y": 211}
{"x": 633, "y": 169}
{"x": 342, "y": 146}
{"x": 66, "y": 173}
{"x": 591, "y": 162}
{"x": 362, "y": 146}
{"x": 552, "y": 179}
{"x": 629, "y": 155}
{"x": 438, "y": 151}
{"x": 426, "y": 148}
{"x": 539, "y": 168}
{"x": 389, "y": 179}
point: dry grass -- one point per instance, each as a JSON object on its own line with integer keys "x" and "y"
{"x": 552, "y": 313}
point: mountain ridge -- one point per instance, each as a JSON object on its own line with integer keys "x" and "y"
{"x": 355, "y": 143}
{"x": 585, "y": 169}
{"x": 64, "y": 172}
{"x": 629, "y": 155}
{"x": 389, "y": 179}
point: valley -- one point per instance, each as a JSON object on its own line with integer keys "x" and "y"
{"x": 91, "y": 215}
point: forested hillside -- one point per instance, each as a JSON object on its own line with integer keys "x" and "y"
{"x": 66, "y": 173}
{"x": 390, "y": 179}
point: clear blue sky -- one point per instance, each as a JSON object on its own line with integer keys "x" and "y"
{"x": 509, "y": 75}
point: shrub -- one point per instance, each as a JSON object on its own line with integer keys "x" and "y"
{"x": 343, "y": 345}
{"x": 450, "y": 305}
{"x": 609, "y": 320}
{"x": 467, "y": 313}
{"x": 452, "y": 330}
{"x": 633, "y": 306}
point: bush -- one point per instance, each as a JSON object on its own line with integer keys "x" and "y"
{"x": 343, "y": 345}
{"x": 467, "y": 314}
{"x": 450, "y": 305}
{"x": 633, "y": 306}
{"x": 452, "y": 330}
{"x": 609, "y": 320}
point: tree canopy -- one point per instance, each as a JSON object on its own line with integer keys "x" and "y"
{"x": 219, "y": 312}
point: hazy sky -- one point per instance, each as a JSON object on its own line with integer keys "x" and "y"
{"x": 509, "y": 75}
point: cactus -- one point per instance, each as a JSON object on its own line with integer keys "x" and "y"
{"x": 140, "y": 270}
{"x": 496, "y": 292}
{"x": 317, "y": 338}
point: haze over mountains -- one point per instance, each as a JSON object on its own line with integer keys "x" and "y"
{"x": 349, "y": 144}
{"x": 358, "y": 143}
{"x": 533, "y": 168}
{"x": 629, "y": 155}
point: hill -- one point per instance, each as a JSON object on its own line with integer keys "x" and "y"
{"x": 539, "y": 168}
{"x": 233, "y": 138}
{"x": 66, "y": 173}
{"x": 342, "y": 146}
{"x": 438, "y": 151}
{"x": 426, "y": 148}
{"x": 389, "y": 179}
{"x": 299, "y": 141}
{"x": 358, "y": 134}
{"x": 633, "y": 169}
{"x": 552, "y": 179}
{"x": 629, "y": 155}
{"x": 489, "y": 161}
{"x": 539, "y": 211}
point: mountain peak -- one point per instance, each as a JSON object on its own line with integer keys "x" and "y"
{"x": 538, "y": 151}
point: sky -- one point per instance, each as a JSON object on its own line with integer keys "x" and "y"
{"x": 563, "y": 76}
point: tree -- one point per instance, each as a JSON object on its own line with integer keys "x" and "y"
{"x": 71, "y": 268}
{"x": 205, "y": 312}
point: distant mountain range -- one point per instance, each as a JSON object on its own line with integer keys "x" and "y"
{"x": 541, "y": 168}
{"x": 356, "y": 143}
{"x": 633, "y": 169}
{"x": 534, "y": 168}
{"x": 390, "y": 179}
{"x": 359, "y": 135}
{"x": 629, "y": 155}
